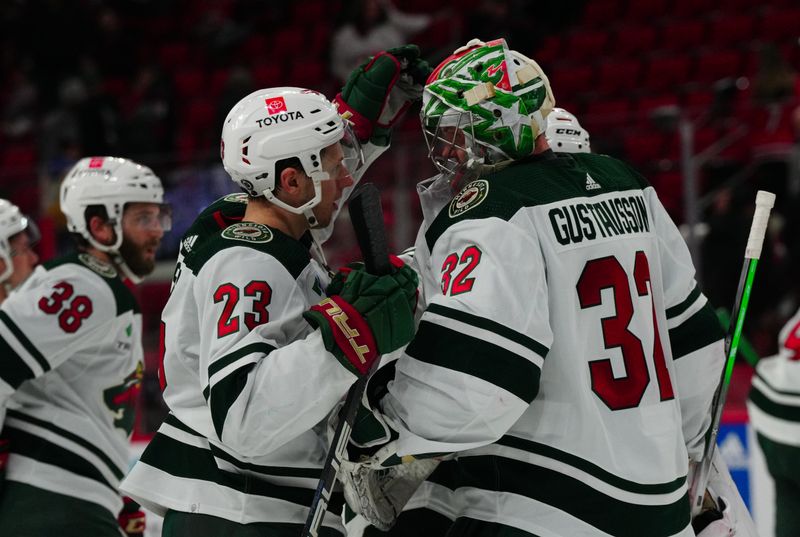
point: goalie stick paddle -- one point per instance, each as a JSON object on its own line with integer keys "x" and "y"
{"x": 764, "y": 203}
{"x": 367, "y": 218}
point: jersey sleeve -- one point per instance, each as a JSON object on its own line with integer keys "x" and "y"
{"x": 695, "y": 335}
{"x": 266, "y": 375}
{"x": 474, "y": 365}
{"x": 48, "y": 320}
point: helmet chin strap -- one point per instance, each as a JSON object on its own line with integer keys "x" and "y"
{"x": 113, "y": 251}
{"x": 120, "y": 263}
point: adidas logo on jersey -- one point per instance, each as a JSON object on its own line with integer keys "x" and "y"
{"x": 591, "y": 184}
{"x": 188, "y": 243}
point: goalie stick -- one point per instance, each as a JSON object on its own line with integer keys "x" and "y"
{"x": 764, "y": 202}
{"x": 367, "y": 219}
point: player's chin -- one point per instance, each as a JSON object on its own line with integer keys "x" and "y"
{"x": 142, "y": 264}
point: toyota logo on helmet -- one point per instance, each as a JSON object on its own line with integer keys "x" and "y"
{"x": 275, "y": 105}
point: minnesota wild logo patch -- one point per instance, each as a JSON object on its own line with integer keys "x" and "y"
{"x": 470, "y": 197}
{"x": 239, "y": 197}
{"x": 248, "y": 232}
{"x": 101, "y": 267}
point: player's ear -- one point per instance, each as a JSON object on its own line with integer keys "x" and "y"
{"x": 291, "y": 181}
{"x": 101, "y": 229}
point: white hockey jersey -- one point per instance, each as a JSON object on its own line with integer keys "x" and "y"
{"x": 249, "y": 392}
{"x": 774, "y": 402}
{"x": 69, "y": 377}
{"x": 566, "y": 353}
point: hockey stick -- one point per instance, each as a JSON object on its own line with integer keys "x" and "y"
{"x": 764, "y": 202}
{"x": 367, "y": 218}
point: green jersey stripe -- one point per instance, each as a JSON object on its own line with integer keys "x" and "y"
{"x": 284, "y": 471}
{"x": 473, "y": 526}
{"x": 13, "y": 369}
{"x": 224, "y": 393}
{"x": 178, "y": 424}
{"x": 39, "y": 449}
{"x": 590, "y": 468}
{"x": 491, "y": 326}
{"x": 778, "y": 410}
{"x": 698, "y": 331}
{"x": 783, "y": 460}
{"x": 444, "y": 347}
{"x": 677, "y": 309}
{"x": 24, "y": 341}
{"x": 228, "y": 359}
{"x": 190, "y": 462}
{"x": 562, "y": 492}
{"x": 118, "y": 472}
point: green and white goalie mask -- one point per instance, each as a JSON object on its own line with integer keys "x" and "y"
{"x": 483, "y": 107}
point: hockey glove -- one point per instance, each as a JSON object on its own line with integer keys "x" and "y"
{"x": 716, "y": 521}
{"x": 131, "y": 518}
{"x": 338, "y": 280}
{"x": 372, "y": 315}
{"x": 379, "y": 90}
{"x": 379, "y": 495}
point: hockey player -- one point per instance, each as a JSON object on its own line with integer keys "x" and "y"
{"x": 255, "y": 358}
{"x": 564, "y": 133}
{"x": 18, "y": 236}
{"x": 72, "y": 359}
{"x": 566, "y": 358}
{"x": 774, "y": 409}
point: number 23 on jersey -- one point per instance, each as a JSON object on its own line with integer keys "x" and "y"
{"x": 229, "y": 295}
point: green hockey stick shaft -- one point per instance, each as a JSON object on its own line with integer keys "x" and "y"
{"x": 764, "y": 203}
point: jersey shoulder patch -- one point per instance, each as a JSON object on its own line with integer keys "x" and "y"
{"x": 248, "y": 232}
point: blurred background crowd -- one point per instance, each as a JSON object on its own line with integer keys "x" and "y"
{"x": 701, "y": 96}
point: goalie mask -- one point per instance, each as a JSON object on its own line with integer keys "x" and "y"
{"x": 110, "y": 182}
{"x": 565, "y": 134}
{"x": 13, "y": 222}
{"x": 275, "y": 124}
{"x": 483, "y": 106}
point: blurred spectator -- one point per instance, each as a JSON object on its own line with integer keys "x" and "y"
{"x": 19, "y": 108}
{"x": 148, "y": 126}
{"x": 369, "y": 27}
{"x": 240, "y": 83}
{"x": 82, "y": 120}
{"x": 113, "y": 46}
{"x": 775, "y": 79}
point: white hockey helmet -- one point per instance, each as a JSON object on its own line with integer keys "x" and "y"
{"x": 565, "y": 134}
{"x": 274, "y": 124}
{"x": 111, "y": 182}
{"x": 12, "y": 221}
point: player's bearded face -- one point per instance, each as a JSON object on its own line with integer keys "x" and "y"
{"x": 143, "y": 225}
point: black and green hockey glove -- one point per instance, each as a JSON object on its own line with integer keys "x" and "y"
{"x": 379, "y": 90}
{"x": 371, "y": 315}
